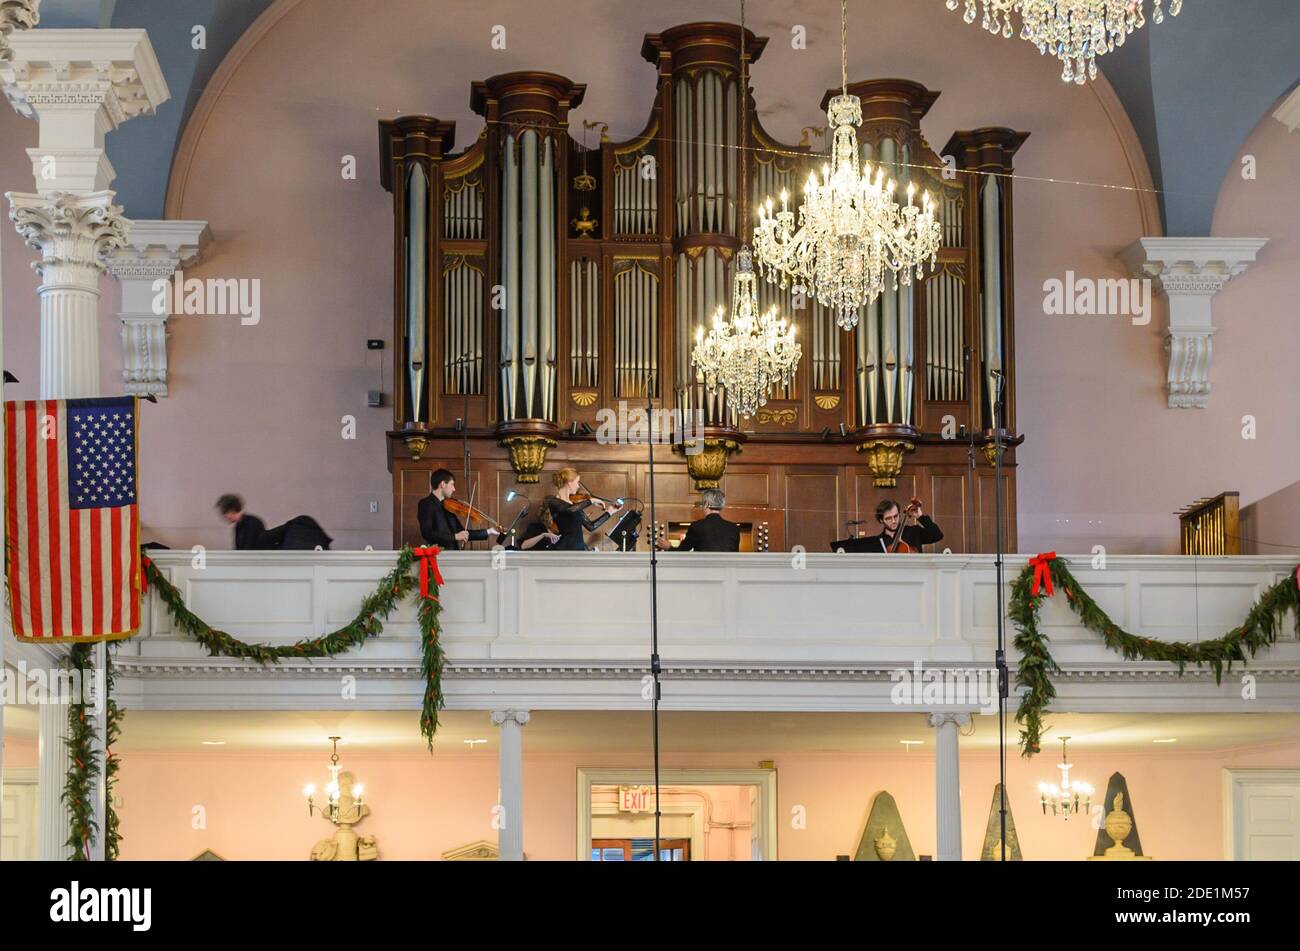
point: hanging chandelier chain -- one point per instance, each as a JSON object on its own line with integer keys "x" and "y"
{"x": 844, "y": 47}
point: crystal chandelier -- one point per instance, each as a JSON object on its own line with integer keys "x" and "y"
{"x": 1074, "y": 31}
{"x": 744, "y": 352}
{"x": 1069, "y": 797}
{"x": 748, "y": 353}
{"x": 851, "y": 233}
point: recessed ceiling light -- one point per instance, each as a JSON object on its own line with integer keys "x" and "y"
{"x": 1171, "y": 740}
{"x": 214, "y": 742}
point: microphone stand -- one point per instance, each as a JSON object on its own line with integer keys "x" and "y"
{"x": 510, "y": 533}
{"x": 1001, "y": 656}
{"x": 654, "y": 602}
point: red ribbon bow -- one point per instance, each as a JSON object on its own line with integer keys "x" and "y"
{"x": 1042, "y": 572}
{"x": 144, "y": 573}
{"x": 428, "y": 561}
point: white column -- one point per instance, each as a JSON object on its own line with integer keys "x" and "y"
{"x": 1190, "y": 271}
{"x": 52, "y": 828}
{"x": 74, "y": 233}
{"x": 947, "y": 785}
{"x": 154, "y": 251}
{"x": 510, "y": 838}
{"x": 79, "y": 85}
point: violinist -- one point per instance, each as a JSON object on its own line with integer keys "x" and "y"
{"x": 924, "y": 532}
{"x": 441, "y": 527}
{"x": 567, "y": 511}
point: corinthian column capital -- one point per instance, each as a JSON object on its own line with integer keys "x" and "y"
{"x": 16, "y": 15}
{"x": 71, "y": 231}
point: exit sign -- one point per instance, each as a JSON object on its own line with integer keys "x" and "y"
{"x": 633, "y": 798}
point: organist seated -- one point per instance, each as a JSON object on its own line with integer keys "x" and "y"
{"x": 711, "y": 533}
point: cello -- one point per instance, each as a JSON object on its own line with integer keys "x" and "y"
{"x": 900, "y": 547}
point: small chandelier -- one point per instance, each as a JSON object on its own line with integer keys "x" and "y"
{"x": 1069, "y": 797}
{"x": 851, "y": 233}
{"x": 331, "y": 807}
{"x": 1074, "y": 31}
{"x": 748, "y": 354}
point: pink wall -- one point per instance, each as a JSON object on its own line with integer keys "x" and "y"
{"x": 257, "y": 409}
{"x": 424, "y": 806}
{"x": 19, "y": 754}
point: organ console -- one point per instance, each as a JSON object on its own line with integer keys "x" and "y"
{"x": 537, "y": 282}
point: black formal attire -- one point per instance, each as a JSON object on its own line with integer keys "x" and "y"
{"x": 570, "y": 519}
{"x": 440, "y": 527}
{"x": 711, "y": 533}
{"x": 300, "y": 533}
{"x": 532, "y": 531}
{"x": 925, "y": 532}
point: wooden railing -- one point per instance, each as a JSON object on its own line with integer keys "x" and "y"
{"x": 1211, "y": 526}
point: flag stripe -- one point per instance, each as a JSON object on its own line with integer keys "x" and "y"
{"x": 96, "y": 573}
{"x": 52, "y": 582}
{"x": 76, "y": 529}
{"x": 33, "y": 506}
{"x": 17, "y": 601}
{"x": 115, "y": 546}
{"x": 65, "y": 526}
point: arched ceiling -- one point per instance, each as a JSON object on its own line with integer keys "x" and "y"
{"x": 1193, "y": 87}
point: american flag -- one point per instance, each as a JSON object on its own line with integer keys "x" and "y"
{"x": 72, "y": 523}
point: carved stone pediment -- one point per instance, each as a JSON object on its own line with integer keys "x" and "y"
{"x": 480, "y": 851}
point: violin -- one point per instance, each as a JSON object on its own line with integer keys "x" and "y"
{"x": 473, "y": 518}
{"x": 900, "y": 547}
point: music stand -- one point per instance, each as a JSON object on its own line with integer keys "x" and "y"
{"x": 624, "y": 534}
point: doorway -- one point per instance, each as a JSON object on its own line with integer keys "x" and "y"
{"x": 705, "y": 815}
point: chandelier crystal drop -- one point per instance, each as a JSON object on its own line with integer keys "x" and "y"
{"x": 749, "y": 353}
{"x": 852, "y": 237}
{"x": 1070, "y": 797}
{"x": 1074, "y": 31}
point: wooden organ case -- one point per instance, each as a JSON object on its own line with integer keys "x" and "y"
{"x": 538, "y": 286}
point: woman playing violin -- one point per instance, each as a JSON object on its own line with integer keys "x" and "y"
{"x": 567, "y": 509}
{"x": 924, "y": 532}
{"x": 441, "y": 527}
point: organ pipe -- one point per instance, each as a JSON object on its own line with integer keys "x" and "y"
{"x": 991, "y": 310}
{"x": 417, "y": 289}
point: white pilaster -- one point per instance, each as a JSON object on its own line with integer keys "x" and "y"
{"x": 510, "y": 838}
{"x": 1190, "y": 271}
{"x": 52, "y": 826}
{"x": 154, "y": 250}
{"x": 947, "y": 785}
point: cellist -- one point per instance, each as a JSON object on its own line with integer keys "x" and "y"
{"x": 924, "y": 532}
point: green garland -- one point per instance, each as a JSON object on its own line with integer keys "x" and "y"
{"x": 113, "y": 730}
{"x": 83, "y": 769}
{"x": 1259, "y": 629}
{"x": 394, "y": 588}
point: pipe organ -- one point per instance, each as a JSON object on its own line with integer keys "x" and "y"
{"x": 538, "y": 286}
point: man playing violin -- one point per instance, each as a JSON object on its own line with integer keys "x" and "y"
{"x": 440, "y": 527}
{"x": 924, "y": 532}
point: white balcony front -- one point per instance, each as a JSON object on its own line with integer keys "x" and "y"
{"x": 736, "y": 632}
